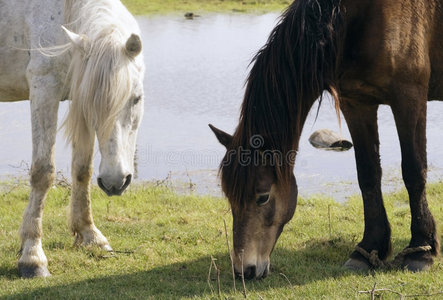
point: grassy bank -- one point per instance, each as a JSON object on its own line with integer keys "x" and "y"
{"x": 143, "y": 7}
{"x": 167, "y": 243}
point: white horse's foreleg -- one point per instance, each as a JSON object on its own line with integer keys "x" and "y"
{"x": 81, "y": 221}
{"x": 44, "y": 107}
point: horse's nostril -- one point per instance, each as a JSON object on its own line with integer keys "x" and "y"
{"x": 249, "y": 273}
{"x": 106, "y": 189}
{"x": 125, "y": 185}
{"x": 127, "y": 182}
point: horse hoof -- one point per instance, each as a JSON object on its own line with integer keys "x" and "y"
{"x": 33, "y": 271}
{"x": 356, "y": 265}
{"x": 107, "y": 248}
{"x": 417, "y": 265}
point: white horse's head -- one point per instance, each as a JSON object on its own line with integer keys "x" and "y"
{"x": 106, "y": 74}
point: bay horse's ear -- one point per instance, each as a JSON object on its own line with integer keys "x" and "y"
{"x": 76, "y": 39}
{"x": 224, "y": 138}
{"x": 133, "y": 45}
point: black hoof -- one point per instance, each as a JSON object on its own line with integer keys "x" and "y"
{"x": 418, "y": 261}
{"x": 357, "y": 265}
{"x": 33, "y": 271}
{"x": 417, "y": 265}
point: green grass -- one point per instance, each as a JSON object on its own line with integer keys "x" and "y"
{"x": 149, "y": 7}
{"x": 167, "y": 242}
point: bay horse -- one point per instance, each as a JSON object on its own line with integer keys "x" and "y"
{"x": 98, "y": 65}
{"x": 365, "y": 53}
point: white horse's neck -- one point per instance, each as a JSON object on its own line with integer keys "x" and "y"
{"x": 84, "y": 15}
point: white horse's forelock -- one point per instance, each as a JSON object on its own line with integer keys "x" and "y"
{"x": 100, "y": 74}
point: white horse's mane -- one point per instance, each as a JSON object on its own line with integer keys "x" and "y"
{"x": 100, "y": 73}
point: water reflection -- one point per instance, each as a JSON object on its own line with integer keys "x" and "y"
{"x": 195, "y": 75}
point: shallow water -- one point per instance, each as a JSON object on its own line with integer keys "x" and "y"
{"x": 195, "y": 75}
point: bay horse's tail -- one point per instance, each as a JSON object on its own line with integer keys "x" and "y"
{"x": 298, "y": 63}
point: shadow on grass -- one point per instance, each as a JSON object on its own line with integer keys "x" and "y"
{"x": 9, "y": 272}
{"x": 318, "y": 260}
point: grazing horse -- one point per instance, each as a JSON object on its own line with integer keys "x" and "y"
{"x": 97, "y": 64}
{"x": 365, "y": 53}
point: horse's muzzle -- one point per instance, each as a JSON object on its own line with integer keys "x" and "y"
{"x": 250, "y": 272}
{"x": 114, "y": 189}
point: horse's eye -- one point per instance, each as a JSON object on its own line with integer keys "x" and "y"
{"x": 137, "y": 99}
{"x": 263, "y": 200}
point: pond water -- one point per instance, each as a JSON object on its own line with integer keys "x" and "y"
{"x": 196, "y": 71}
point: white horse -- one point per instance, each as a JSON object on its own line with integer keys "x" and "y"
{"x": 98, "y": 65}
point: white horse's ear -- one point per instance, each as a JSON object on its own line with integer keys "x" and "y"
{"x": 133, "y": 45}
{"x": 78, "y": 40}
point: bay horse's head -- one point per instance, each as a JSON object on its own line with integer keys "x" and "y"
{"x": 106, "y": 73}
{"x": 298, "y": 62}
{"x": 262, "y": 202}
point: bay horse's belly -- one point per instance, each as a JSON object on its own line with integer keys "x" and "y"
{"x": 436, "y": 80}
{"x": 436, "y": 87}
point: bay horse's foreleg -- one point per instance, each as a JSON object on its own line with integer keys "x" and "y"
{"x": 362, "y": 123}
{"x": 81, "y": 221}
{"x": 410, "y": 117}
{"x": 44, "y": 107}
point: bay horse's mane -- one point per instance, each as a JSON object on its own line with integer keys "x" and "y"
{"x": 295, "y": 66}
